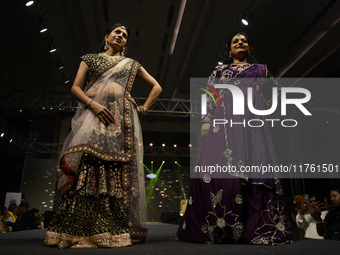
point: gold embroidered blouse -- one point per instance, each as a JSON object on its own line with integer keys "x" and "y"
{"x": 95, "y": 62}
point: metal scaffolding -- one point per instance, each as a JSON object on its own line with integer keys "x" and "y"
{"x": 10, "y": 133}
{"x": 68, "y": 103}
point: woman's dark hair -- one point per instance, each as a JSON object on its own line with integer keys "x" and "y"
{"x": 108, "y": 31}
{"x": 336, "y": 208}
{"x": 227, "y": 59}
{"x": 336, "y": 189}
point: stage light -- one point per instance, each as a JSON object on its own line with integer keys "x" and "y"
{"x": 139, "y": 144}
{"x": 163, "y": 144}
{"x": 151, "y": 176}
{"x": 220, "y": 63}
{"x": 20, "y": 110}
{"x": 29, "y": 3}
{"x": 60, "y": 65}
{"x": 10, "y": 140}
{"x": 2, "y": 134}
{"x": 245, "y": 22}
{"x": 51, "y": 47}
{"x": 151, "y": 144}
{"x": 42, "y": 27}
{"x": 163, "y": 161}
{"x": 175, "y": 145}
{"x": 190, "y": 145}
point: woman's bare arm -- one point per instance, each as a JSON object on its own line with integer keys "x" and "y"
{"x": 152, "y": 84}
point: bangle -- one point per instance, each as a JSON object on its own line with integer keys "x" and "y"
{"x": 88, "y": 103}
{"x": 143, "y": 112}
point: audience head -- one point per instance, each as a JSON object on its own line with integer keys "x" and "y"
{"x": 23, "y": 207}
{"x": 298, "y": 200}
{"x": 327, "y": 202}
{"x": 315, "y": 198}
{"x": 335, "y": 197}
{"x": 13, "y": 208}
{"x": 35, "y": 211}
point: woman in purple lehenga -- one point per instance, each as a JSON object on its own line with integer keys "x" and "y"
{"x": 237, "y": 209}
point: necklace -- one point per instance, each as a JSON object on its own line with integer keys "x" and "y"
{"x": 111, "y": 58}
{"x": 240, "y": 63}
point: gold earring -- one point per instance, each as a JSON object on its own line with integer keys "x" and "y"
{"x": 122, "y": 53}
{"x": 106, "y": 47}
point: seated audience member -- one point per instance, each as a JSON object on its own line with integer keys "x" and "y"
{"x": 305, "y": 220}
{"x": 36, "y": 213}
{"x": 2, "y": 227}
{"x": 10, "y": 217}
{"x": 41, "y": 220}
{"x": 299, "y": 232}
{"x": 26, "y": 219}
{"x": 328, "y": 203}
{"x": 329, "y": 228}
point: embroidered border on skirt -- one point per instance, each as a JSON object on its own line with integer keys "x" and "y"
{"x": 99, "y": 240}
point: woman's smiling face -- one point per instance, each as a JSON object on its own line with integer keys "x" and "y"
{"x": 239, "y": 46}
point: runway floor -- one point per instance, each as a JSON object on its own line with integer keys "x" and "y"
{"x": 161, "y": 240}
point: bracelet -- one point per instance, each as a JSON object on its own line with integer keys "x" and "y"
{"x": 88, "y": 103}
{"x": 143, "y": 112}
